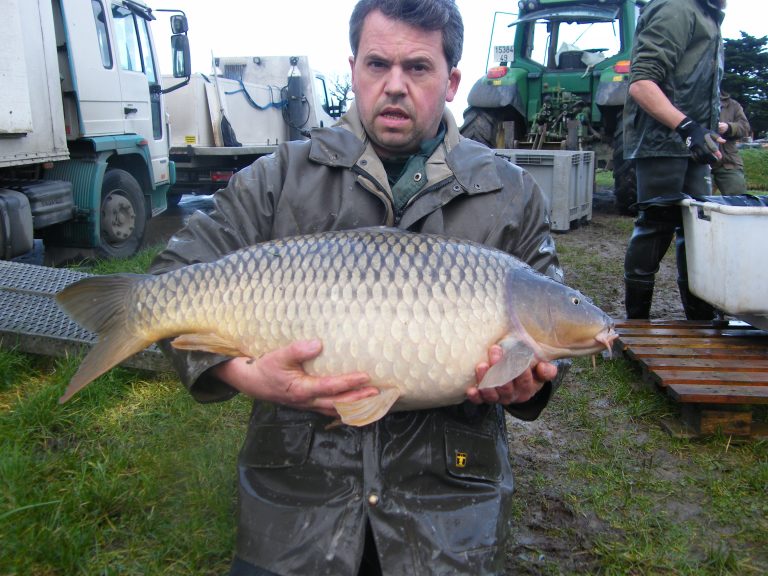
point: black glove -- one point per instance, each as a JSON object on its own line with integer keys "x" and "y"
{"x": 702, "y": 143}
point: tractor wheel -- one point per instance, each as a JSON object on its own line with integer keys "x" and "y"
{"x": 624, "y": 181}
{"x": 483, "y": 125}
{"x": 123, "y": 215}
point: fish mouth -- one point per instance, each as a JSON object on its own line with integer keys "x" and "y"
{"x": 606, "y": 338}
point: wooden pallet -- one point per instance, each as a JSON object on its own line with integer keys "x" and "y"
{"x": 717, "y": 374}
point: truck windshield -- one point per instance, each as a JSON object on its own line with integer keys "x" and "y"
{"x": 127, "y": 43}
{"x": 146, "y": 51}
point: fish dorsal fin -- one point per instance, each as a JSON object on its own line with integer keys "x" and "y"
{"x": 367, "y": 410}
{"x": 517, "y": 357}
{"x": 208, "y": 342}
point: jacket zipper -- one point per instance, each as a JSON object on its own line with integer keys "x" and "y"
{"x": 380, "y": 193}
{"x": 400, "y": 213}
{"x": 372, "y": 185}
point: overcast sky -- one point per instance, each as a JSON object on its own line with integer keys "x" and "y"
{"x": 319, "y": 30}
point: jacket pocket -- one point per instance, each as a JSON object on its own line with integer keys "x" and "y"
{"x": 277, "y": 445}
{"x": 471, "y": 455}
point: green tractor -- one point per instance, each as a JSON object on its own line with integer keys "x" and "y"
{"x": 560, "y": 83}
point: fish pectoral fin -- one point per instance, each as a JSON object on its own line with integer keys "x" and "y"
{"x": 367, "y": 410}
{"x": 516, "y": 359}
{"x": 208, "y": 342}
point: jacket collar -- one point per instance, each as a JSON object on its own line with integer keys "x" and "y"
{"x": 713, "y": 8}
{"x": 346, "y": 144}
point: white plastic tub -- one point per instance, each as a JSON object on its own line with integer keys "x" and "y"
{"x": 725, "y": 248}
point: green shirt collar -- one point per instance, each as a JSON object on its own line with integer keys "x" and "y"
{"x": 408, "y": 175}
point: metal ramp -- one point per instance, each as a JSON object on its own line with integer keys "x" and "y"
{"x": 31, "y": 321}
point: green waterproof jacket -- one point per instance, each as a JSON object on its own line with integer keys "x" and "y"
{"x": 677, "y": 46}
{"x": 732, "y": 114}
{"x": 306, "y": 492}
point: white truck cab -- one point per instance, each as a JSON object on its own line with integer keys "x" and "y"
{"x": 83, "y": 134}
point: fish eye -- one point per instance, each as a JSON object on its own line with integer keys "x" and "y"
{"x": 575, "y": 300}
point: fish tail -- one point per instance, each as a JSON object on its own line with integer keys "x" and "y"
{"x": 100, "y": 304}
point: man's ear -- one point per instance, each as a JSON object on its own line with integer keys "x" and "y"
{"x": 352, "y": 70}
{"x": 454, "y": 78}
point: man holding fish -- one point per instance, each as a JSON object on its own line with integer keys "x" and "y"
{"x": 384, "y": 360}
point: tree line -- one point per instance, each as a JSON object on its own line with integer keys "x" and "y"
{"x": 746, "y": 78}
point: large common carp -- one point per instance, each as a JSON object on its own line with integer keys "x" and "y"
{"x": 416, "y": 312}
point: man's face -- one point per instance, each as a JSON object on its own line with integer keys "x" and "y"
{"x": 401, "y": 82}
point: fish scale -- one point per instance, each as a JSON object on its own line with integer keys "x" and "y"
{"x": 416, "y": 312}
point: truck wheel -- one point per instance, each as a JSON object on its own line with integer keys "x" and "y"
{"x": 123, "y": 215}
{"x": 483, "y": 125}
{"x": 624, "y": 181}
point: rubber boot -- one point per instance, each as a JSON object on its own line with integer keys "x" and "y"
{"x": 638, "y": 295}
{"x": 695, "y": 308}
{"x": 720, "y": 320}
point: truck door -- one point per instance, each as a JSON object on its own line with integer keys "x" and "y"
{"x": 140, "y": 82}
{"x": 90, "y": 72}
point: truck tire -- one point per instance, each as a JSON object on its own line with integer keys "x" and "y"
{"x": 483, "y": 125}
{"x": 624, "y": 181}
{"x": 123, "y": 215}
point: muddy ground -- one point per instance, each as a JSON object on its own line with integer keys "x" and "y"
{"x": 553, "y": 537}
{"x": 598, "y": 235}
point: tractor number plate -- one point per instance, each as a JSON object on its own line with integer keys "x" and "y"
{"x": 504, "y": 53}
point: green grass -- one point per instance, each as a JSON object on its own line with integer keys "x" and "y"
{"x": 671, "y": 506}
{"x": 131, "y": 476}
{"x": 675, "y": 506}
{"x": 588, "y": 270}
{"x": 756, "y": 169}
{"x": 136, "y": 264}
{"x": 604, "y": 178}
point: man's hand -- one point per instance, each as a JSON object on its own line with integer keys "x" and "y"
{"x": 521, "y": 389}
{"x": 702, "y": 143}
{"x": 279, "y": 377}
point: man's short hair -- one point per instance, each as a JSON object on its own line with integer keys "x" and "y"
{"x": 425, "y": 14}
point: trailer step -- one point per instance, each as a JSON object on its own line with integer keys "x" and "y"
{"x": 31, "y": 321}
{"x": 718, "y": 374}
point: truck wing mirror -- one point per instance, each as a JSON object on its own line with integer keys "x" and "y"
{"x": 182, "y": 67}
{"x": 179, "y": 24}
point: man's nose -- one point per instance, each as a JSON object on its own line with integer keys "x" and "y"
{"x": 396, "y": 82}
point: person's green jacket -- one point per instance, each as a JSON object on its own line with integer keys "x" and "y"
{"x": 307, "y": 491}
{"x": 732, "y": 114}
{"x": 677, "y": 46}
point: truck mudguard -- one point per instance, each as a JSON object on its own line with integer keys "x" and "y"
{"x": 86, "y": 177}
